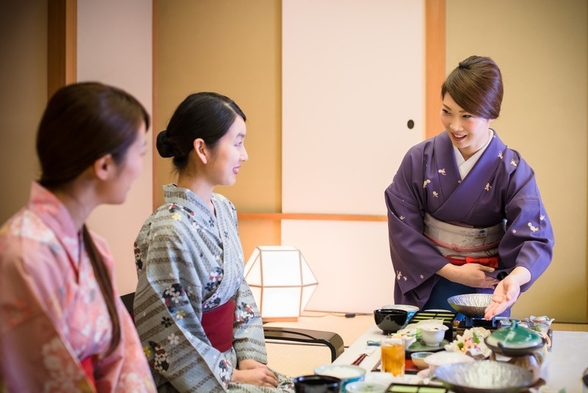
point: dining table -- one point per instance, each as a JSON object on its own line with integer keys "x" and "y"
{"x": 566, "y": 360}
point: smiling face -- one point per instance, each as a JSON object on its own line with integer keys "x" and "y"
{"x": 467, "y": 132}
{"x": 228, "y": 155}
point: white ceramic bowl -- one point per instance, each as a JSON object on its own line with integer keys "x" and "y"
{"x": 433, "y": 334}
{"x": 346, "y": 373}
{"x": 410, "y": 310}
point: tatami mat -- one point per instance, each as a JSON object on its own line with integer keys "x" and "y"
{"x": 297, "y": 359}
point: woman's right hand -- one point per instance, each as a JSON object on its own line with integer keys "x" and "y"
{"x": 471, "y": 274}
{"x": 260, "y": 375}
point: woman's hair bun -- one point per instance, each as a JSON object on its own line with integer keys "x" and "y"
{"x": 163, "y": 145}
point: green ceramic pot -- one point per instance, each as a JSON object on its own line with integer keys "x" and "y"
{"x": 514, "y": 340}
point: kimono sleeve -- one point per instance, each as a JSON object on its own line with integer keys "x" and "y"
{"x": 249, "y": 339}
{"x": 415, "y": 259}
{"x": 168, "y": 310}
{"x": 529, "y": 239}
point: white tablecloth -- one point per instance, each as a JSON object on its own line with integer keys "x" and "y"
{"x": 565, "y": 363}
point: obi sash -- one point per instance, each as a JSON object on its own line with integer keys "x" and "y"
{"x": 218, "y": 325}
{"x": 88, "y": 367}
{"x": 461, "y": 245}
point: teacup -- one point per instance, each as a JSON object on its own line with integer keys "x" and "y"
{"x": 433, "y": 334}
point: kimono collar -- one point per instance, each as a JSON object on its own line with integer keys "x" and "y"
{"x": 465, "y": 166}
{"x": 55, "y": 215}
{"x": 464, "y": 196}
{"x": 188, "y": 199}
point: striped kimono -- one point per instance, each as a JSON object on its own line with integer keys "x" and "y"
{"x": 189, "y": 261}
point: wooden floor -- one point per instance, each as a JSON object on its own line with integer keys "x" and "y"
{"x": 297, "y": 359}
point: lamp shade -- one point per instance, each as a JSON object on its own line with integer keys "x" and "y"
{"x": 281, "y": 281}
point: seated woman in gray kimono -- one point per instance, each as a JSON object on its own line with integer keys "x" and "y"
{"x": 464, "y": 211}
{"x": 196, "y": 316}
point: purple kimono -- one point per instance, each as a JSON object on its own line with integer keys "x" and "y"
{"x": 501, "y": 186}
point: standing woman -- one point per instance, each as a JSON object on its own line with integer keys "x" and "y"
{"x": 63, "y": 327}
{"x": 194, "y": 311}
{"x": 464, "y": 210}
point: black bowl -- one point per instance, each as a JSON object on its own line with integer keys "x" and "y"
{"x": 390, "y": 320}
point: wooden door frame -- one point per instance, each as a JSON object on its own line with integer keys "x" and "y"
{"x": 62, "y": 18}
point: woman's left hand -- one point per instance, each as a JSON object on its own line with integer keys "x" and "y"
{"x": 507, "y": 292}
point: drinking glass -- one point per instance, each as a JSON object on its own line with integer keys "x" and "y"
{"x": 393, "y": 356}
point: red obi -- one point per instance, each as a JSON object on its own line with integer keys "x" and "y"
{"x": 218, "y": 325}
{"x": 88, "y": 366}
{"x": 486, "y": 261}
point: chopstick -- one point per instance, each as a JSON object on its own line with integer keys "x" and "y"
{"x": 359, "y": 359}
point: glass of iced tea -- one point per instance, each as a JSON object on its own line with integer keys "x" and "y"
{"x": 393, "y": 356}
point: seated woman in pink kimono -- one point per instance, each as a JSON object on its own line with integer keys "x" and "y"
{"x": 194, "y": 311}
{"x": 63, "y": 327}
{"x": 464, "y": 211}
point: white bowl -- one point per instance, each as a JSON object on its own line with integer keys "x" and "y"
{"x": 433, "y": 334}
{"x": 346, "y": 373}
{"x": 439, "y": 358}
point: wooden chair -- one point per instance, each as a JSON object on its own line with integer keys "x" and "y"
{"x": 306, "y": 336}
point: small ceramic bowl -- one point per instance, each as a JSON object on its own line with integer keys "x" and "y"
{"x": 418, "y": 358}
{"x": 433, "y": 334}
{"x": 346, "y": 373}
{"x": 390, "y": 320}
{"x": 410, "y": 310}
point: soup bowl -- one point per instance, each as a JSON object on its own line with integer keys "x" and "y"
{"x": 390, "y": 320}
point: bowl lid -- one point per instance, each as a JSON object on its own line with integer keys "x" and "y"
{"x": 515, "y": 336}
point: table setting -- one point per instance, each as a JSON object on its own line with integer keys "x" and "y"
{"x": 458, "y": 351}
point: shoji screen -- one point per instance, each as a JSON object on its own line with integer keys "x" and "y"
{"x": 353, "y": 73}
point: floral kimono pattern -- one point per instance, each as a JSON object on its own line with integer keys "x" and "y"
{"x": 190, "y": 260}
{"x": 52, "y": 313}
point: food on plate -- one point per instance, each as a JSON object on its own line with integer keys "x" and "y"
{"x": 471, "y": 343}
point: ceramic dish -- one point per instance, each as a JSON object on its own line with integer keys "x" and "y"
{"x": 418, "y": 358}
{"x": 410, "y": 310}
{"x": 346, "y": 373}
{"x": 471, "y": 304}
{"x": 485, "y": 376}
{"x": 420, "y": 346}
{"x": 442, "y": 358}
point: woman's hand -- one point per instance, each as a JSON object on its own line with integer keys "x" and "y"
{"x": 253, "y": 372}
{"x": 471, "y": 274}
{"x": 507, "y": 292}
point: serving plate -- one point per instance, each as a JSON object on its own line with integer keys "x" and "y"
{"x": 484, "y": 376}
{"x": 420, "y": 346}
